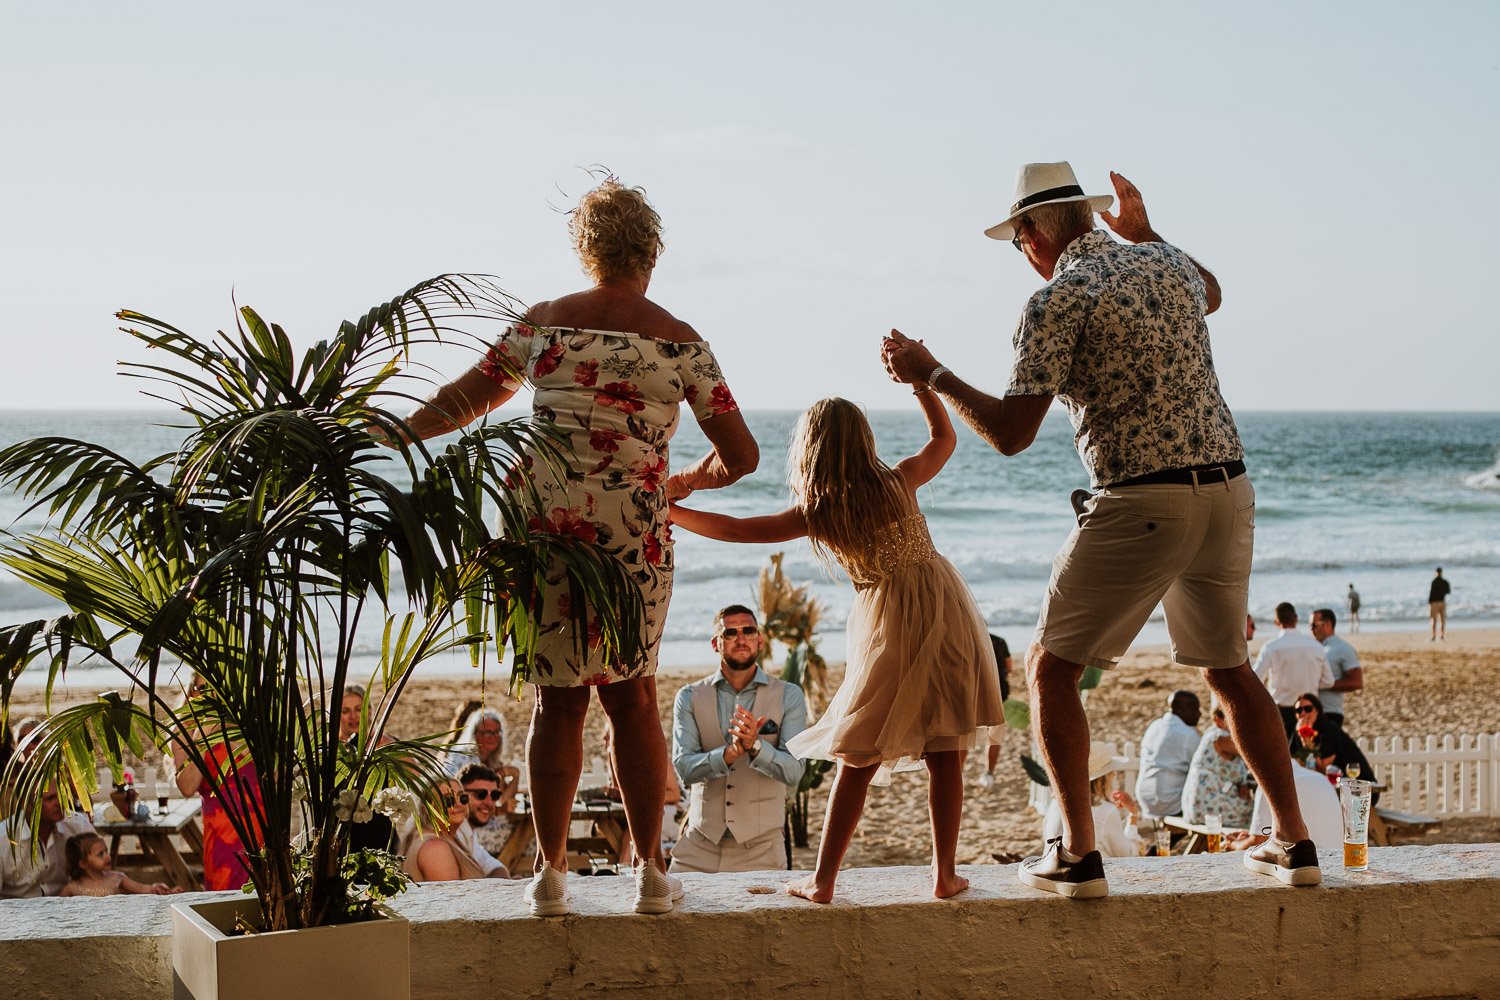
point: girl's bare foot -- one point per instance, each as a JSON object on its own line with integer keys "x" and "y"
{"x": 809, "y": 889}
{"x": 944, "y": 886}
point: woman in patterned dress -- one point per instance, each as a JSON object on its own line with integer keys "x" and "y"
{"x": 609, "y": 368}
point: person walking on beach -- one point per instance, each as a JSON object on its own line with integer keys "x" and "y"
{"x": 1343, "y": 665}
{"x": 729, "y": 736}
{"x": 1353, "y": 609}
{"x": 1437, "y": 605}
{"x": 1118, "y": 333}
{"x": 920, "y": 685}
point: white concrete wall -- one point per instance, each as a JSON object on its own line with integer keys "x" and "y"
{"x": 1424, "y": 922}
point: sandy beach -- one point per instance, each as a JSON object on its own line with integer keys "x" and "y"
{"x": 1413, "y": 688}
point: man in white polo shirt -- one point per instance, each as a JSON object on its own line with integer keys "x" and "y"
{"x": 1291, "y": 665}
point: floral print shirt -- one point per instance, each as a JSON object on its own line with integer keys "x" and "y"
{"x": 1119, "y": 335}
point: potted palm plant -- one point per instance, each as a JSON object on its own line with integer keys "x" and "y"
{"x": 249, "y": 559}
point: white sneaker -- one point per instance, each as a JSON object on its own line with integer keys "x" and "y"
{"x": 987, "y": 780}
{"x": 547, "y": 893}
{"x": 655, "y": 890}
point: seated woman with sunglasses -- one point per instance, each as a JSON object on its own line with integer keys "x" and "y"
{"x": 450, "y": 853}
{"x": 1327, "y": 743}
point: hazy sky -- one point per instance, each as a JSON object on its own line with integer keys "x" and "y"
{"x": 824, "y": 171}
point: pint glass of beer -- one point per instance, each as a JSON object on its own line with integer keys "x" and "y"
{"x": 1354, "y": 796}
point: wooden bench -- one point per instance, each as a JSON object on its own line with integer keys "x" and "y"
{"x": 1384, "y": 823}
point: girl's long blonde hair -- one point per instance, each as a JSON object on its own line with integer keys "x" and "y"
{"x": 838, "y": 481}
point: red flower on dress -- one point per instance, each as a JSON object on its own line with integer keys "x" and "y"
{"x": 649, "y": 471}
{"x": 597, "y": 680}
{"x": 549, "y": 360}
{"x": 691, "y": 394}
{"x": 587, "y": 373}
{"x": 651, "y": 548}
{"x": 606, "y": 441}
{"x": 622, "y": 396}
{"x": 720, "y": 401}
{"x": 500, "y": 365}
{"x": 566, "y": 521}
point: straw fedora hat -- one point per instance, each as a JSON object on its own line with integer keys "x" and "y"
{"x": 1102, "y": 760}
{"x": 1045, "y": 184}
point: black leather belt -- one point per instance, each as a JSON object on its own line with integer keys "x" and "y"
{"x": 1192, "y": 475}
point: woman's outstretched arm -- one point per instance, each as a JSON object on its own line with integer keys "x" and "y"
{"x": 941, "y": 440}
{"x": 457, "y": 404}
{"x": 781, "y": 527}
{"x": 735, "y": 454}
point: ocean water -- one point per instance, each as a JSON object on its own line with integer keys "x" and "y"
{"x": 1374, "y": 499}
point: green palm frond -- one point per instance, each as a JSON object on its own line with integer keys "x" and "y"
{"x": 248, "y": 557}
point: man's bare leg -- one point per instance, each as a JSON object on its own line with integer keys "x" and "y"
{"x": 1255, "y": 724}
{"x": 1062, "y": 734}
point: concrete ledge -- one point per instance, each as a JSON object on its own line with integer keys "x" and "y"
{"x": 1420, "y": 924}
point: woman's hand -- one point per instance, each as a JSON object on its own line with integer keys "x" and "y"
{"x": 1124, "y": 801}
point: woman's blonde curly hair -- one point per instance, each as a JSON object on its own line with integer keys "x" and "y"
{"x": 616, "y": 233}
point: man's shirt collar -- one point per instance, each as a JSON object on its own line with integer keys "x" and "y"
{"x": 1089, "y": 242}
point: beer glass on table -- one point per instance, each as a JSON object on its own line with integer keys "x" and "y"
{"x": 1215, "y": 827}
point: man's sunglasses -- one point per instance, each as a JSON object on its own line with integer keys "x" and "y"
{"x": 730, "y": 633}
{"x": 483, "y": 793}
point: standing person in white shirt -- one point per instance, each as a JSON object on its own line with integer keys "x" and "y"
{"x": 1291, "y": 664}
{"x": 1167, "y": 751}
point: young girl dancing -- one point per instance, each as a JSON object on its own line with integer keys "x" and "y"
{"x": 921, "y": 684}
{"x": 88, "y": 866}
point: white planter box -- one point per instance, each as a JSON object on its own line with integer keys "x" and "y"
{"x": 365, "y": 961}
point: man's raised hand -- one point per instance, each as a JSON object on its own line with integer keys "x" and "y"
{"x": 1131, "y": 223}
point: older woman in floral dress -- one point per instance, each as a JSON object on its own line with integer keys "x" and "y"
{"x": 610, "y": 369}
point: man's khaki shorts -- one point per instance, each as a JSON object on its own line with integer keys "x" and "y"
{"x": 1185, "y": 547}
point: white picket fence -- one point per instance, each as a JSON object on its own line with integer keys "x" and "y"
{"x": 1451, "y": 776}
{"x": 1448, "y": 777}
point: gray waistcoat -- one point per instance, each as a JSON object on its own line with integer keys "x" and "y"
{"x": 746, "y": 803}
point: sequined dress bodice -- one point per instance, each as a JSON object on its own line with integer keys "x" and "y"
{"x": 896, "y": 546}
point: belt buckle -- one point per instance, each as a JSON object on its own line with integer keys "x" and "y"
{"x": 1222, "y": 470}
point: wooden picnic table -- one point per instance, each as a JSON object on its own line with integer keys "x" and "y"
{"x": 155, "y": 834}
{"x": 607, "y": 839}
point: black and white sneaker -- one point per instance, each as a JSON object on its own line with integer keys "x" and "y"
{"x": 1079, "y": 879}
{"x": 1292, "y": 864}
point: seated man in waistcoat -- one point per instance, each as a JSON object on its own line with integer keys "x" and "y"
{"x": 728, "y": 731}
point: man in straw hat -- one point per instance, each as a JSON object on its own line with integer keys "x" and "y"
{"x": 1118, "y": 333}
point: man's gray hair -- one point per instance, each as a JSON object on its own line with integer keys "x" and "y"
{"x": 1062, "y": 222}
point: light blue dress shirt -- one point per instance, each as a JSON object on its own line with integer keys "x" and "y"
{"x": 695, "y": 765}
{"x": 1166, "y": 753}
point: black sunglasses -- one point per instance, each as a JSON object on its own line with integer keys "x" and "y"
{"x": 463, "y": 800}
{"x": 1304, "y": 709}
{"x": 730, "y": 633}
{"x": 481, "y": 794}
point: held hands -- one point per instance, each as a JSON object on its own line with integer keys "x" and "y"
{"x": 677, "y": 488}
{"x": 1131, "y": 223}
{"x": 906, "y": 360}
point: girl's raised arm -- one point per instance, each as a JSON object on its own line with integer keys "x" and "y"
{"x": 941, "y": 441}
{"x": 781, "y": 527}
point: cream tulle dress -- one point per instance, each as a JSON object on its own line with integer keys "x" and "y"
{"x": 921, "y": 674}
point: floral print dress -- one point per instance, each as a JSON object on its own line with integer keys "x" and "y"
{"x": 615, "y": 396}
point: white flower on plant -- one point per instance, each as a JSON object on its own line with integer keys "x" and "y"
{"x": 362, "y": 811}
{"x": 299, "y": 789}
{"x": 397, "y": 803}
{"x": 345, "y": 805}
